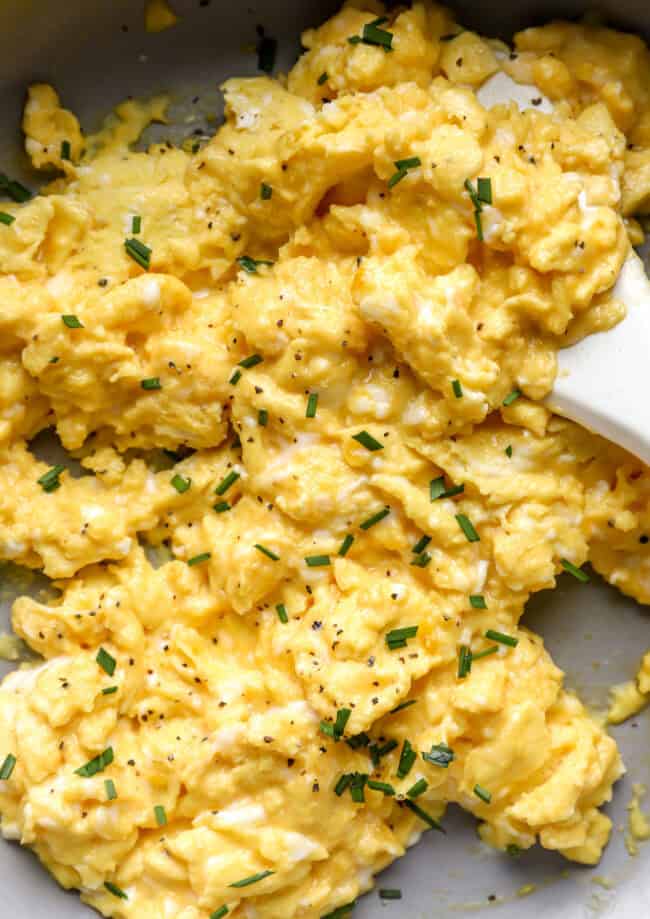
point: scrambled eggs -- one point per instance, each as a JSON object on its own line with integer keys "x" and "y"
{"x": 281, "y": 647}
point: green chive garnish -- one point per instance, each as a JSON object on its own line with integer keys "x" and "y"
{"x": 263, "y": 417}
{"x": 323, "y": 78}
{"x": 467, "y": 527}
{"x": 98, "y": 764}
{"x": 368, "y": 441}
{"x": 235, "y": 378}
{"x": 111, "y": 790}
{"x": 180, "y": 483}
{"x": 418, "y": 789}
{"x": 267, "y": 552}
{"x": 376, "y": 753}
{"x": 464, "y": 661}
{"x": 106, "y": 661}
{"x": 344, "y": 548}
{"x": 484, "y": 190}
{"x": 384, "y": 787}
{"x": 221, "y": 507}
{"x": 406, "y": 760}
{"x": 342, "y": 784}
{"x": 140, "y": 253}
{"x": 508, "y": 451}
{"x": 220, "y": 913}
{"x": 457, "y": 388}
{"x": 160, "y": 815}
{"x": 317, "y": 561}
{"x": 402, "y": 167}
{"x": 250, "y": 265}
{"x": 390, "y": 893}
{"x": 115, "y": 890}
{"x": 397, "y": 638}
{"x": 109, "y": 690}
{"x": 421, "y": 560}
{"x": 477, "y": 601}
{"x": 482, "y": 793}
{"x": 14, "y": 189}
{"x": 439, "y": 755}
{"x": 421, "y": 545}
{"x": 357, "y": 785}
{"x": 577, "y": 573}
{"x": 438, "y": 489}
{"x": 402, "y": 706}
{"x": 266, "y": 192}
{"x": 151, "y": 383}
{"x": 491, "y": 650}
{"x": 376, "y": 518}
{"x": 136, "y": 224}
{"x": 6, "y": 218}
{"x": 373, "y": 35}
{"x": 501, "y": 638}
{"x": 512, "y": 397}
{"x": 253, "y": 879}
{"x": 198, "y": 559}
{"x": 65, "y": 150}
{"x": 336, "y": 728}
{"x": 312, "y": 405}
{"x": 49, "y": 481}
{"x": 8, "y": 766}
{"x": 281, "y": 610}
{"x": 427, "y": 818}
{"x": 251, "y": 361}
{"x": 358, "y": 741}
{"x": 226, "y": 482}
{"x": 483, "y": 195}
{"x": 71, "y": 321}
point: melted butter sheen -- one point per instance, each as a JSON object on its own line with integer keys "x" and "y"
{"x": 381, "y": 301}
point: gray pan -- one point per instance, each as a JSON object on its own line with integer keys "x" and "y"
{"x": 96, "y": 52}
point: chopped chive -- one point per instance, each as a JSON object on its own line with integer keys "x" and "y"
{"x": 95, "y": 765}
{"x": 226, "y": 482}
{"x": 427, "y": 818}
{"x": 439, "y": 755}
{"x": 253, "y": 879}
{"x": 469, "y": 188}
{"x": 501, "y": 638}
{"x": 402, "y": 706}
{"x": 467, "y": 527}
{"x": 457, "y": 388}
{"x": 479, "y": 226}
{"x": 418, "y": 789}
{"x": 377, "y": 753}
{"x": 106, "y": 661}
{"x": 341, "y": 912}
{"x": 406, "y": 760}
{"x": 344, "y": 548}
{"x": 421, "y": 560}
{"x": 15, "y": 190}
{"x": 198, "y": 559}
{"x": 235, "y": 378}
{"x": 281, "y": 610}
{"x": 221, "y": 507}
{"x": 262, "y": 417}
{"x": 577, "y": 573}
{"x": 421, "y": 545}
{"x": 53, "y": 360}
{"x": 160, "y": 815}
{"x": 464, "y": 661}
{"x": 376, "y": 518}
{"x": 180, "y": 483}
{"x": 251, "y": 361}
{"x": 323, "y": 78}
{"x": 368, "y": 441}
{"x": 438, "y": 489}
{"x": 491, "y": 650}
{"x": 342, "y": 784}
{"x": 65, "y": 150}
{"x": 220, "y": 913}
{"x": 482, "y": 793}
{"x": 71, "y": 321}
{"x": 266, "y": 192}
{"x": 396, "y": 178}
{"x": 49, "y": 481}
{"x": 136, "y": 224}
{"x": 312, "y": 405}
{"x": 250, "y": 265}
{"x": 317, "y": 561}
{"x": 109, "y": 690}
{"x": 511, "y": 397}
{"x": 140, "y": 253}
{"x": 151, "y": 383}
{"x": 397, "y": 638}
{"x": 115, "y": 890}
{"x": 402, "y": 167}
{"x": 336, "y": 728}
{"x": 8, "y": 766}
{"x": 508, "y": 451}
{"x": 111, "y": 790}
{"x": 390, "y": 893}
{"x": 267, "y": 552}
{"x": 384, "y": 787}
{"x": 6, "y": 218}
{"x": 484, "y": 190}
{"x": 477, "y": 601}
{"x": 358, "y": 741}
{"x": 357, "y": 785}
{"x": 373, "y": 35}
{"x": 266, "y": 50}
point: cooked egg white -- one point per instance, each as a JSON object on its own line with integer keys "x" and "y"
{"x": 258, "y": 634}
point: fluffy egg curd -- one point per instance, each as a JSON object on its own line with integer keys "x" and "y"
{"x": 301, "y": 371}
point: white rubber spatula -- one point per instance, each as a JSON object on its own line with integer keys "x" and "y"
{"x": 600, "y": 381}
